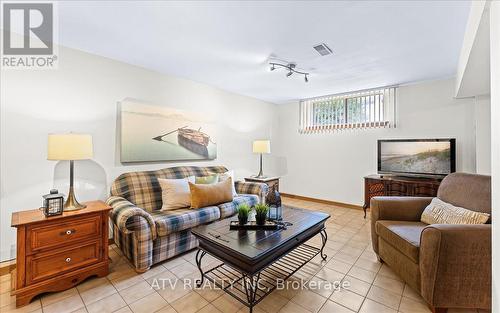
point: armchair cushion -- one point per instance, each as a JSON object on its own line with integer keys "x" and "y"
{"x": 440, "y": 212}
{"x": 403, "y": 236}
{"x": 395, "y": 209}
{"x": 168, "y": 222}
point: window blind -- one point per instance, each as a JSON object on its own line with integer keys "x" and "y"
{"x": 358, "y": 110}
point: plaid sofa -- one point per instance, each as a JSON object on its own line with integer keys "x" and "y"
{"x": 147, "y": 235}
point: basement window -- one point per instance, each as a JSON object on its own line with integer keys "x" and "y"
{"x": 374, "y": 108}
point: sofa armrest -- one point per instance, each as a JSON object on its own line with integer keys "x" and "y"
{"x": 254, "y": 188}
{"x": 395, "y": 209}
{"x": 455, "y": 265}
{"x": 130, "y": 218}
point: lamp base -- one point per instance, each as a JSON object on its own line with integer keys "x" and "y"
{"x": 259, "y": 176}
{"x": 71, "y": 203}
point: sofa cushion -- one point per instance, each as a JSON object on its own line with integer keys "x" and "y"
{"x": 168, "y": 222}
{"x": 203, "y": 195}
{"x": 404, "y": 236}
{"x": 143, "y": 188}
{"x": 229, "y": 208}
{"x": 175, "y": 193}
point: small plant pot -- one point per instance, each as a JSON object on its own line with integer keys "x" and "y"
{"x": 242, "y": 220}
{"x": 260, "y": 219}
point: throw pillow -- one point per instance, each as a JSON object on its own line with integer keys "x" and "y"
{"x": 207, "y": 195}
{"x": 211, "y": 179}
{"x": 227, "y": 175}
{"x": 440, "y": 212}
{"x": 175, "y": 193}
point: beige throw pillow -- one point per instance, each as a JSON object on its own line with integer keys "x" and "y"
{"x": 226, "y": 175}
{"x": 175, "y": 193}
{"x": 440, "y": 212}
{"x": 203, "y": 195}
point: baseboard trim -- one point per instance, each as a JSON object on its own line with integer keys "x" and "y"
{"x": 342, "y": 204}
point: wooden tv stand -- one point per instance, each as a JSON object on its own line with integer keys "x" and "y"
{"x": 390, "y": 185}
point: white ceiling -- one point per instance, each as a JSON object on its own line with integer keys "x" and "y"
{"x": 228, "y": 44}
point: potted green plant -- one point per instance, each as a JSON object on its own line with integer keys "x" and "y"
{"x": 261, "y": 213}
{"x": 243, "y": 211}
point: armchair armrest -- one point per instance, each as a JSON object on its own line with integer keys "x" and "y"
{"x": 254, "y": 188}
{"x": 396, "y": 209}
{"x": 130, "y": 218}
{"x": 455, "y": 265}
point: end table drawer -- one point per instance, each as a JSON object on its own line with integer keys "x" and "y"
{"x": 41, "y": 237}
{"x": 43, "y": 267}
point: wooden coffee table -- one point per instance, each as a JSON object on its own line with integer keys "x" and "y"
{"x": 255, "y": 261}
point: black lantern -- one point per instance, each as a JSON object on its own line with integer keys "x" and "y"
{"x": 275, "y": 209}
{"x": 53, "y": 203}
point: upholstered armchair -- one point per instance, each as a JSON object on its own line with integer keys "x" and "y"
{"x": 449, "y": 265}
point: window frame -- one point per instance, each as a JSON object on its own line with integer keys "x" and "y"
{"x": 376, "y": 112}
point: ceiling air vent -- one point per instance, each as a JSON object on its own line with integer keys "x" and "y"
{"x": 323, "y": 49}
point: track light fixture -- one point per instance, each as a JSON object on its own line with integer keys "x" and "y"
{"x": 291, "y": 69}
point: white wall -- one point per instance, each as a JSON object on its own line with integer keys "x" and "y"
{"x": 81, "y": 96}
{"x": 483, "y": 134}
{"x": 474, "y": 63}
{"x": 495, "y": 146}
{"x": 331, "y": 166}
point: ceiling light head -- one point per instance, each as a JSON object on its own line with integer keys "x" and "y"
{"x": 291, "y": 67}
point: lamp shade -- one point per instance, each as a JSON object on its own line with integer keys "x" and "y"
{"x": 261, "y": 146}
{"x": 69, "y": 147}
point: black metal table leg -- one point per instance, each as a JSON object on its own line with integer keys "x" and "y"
{"x": 199, "y": 255}
{"x": 324, "y": 238}
{"x": 251, "y": 286}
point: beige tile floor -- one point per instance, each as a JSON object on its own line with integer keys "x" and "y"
{"x": 373, "y": 287}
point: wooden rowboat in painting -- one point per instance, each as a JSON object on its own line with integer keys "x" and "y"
{"x": 194, "y": 140}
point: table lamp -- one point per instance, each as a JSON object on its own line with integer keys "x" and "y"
{"x": 261, "y": 146}
{"x": 70, "y": 147}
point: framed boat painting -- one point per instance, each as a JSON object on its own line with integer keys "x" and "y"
{"x": 151, "y": 133}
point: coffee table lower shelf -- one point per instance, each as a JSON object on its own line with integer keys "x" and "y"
{"x": 250, "y": 290}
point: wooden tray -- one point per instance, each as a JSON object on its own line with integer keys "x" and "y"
{"x": 252, "y": 225}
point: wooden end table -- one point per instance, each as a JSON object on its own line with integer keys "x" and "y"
{"x": 272, "y": 182}
{"x": 58, "y": 252}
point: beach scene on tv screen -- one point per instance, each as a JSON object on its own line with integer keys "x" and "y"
{"x": 415, "y": 157}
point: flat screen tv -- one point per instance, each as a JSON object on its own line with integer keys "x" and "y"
{"x": 416, "y": 157}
